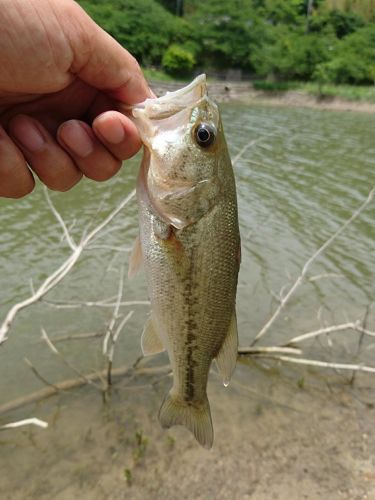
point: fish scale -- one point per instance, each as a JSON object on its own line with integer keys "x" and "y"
{"x": 191, "y": 260}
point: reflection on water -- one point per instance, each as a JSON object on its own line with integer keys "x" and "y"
{"x": 305, "y": 172}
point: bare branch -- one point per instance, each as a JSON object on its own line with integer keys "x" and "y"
{"x": 65, "y": 361}
{"x": 77, "y": 336}
{"x": 36, "y": 373}
{"x": 28, "y": 421}
{"x": 271, "y": 349}
{"x": 109, "y": 247}
{"x": 321, "y": 364}
{"x": 60, "y": 273}
{"x": 109, "y": 332}
{"x": 305, "y": 268}
{"x": 243, "y": 150}
{"x": 356, "y": 326}
{"x": 101, "y": 303}
{"x": 111, "y": 348}
{"x": 324, "y": 276}
{"x": 65, "y": 385}
{"x": 60, "y": 220}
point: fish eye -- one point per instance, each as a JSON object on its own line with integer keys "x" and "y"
{"x": 205, "y": 135}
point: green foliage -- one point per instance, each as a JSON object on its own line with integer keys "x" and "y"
{"x": 224, "y": 32}
{"x": 291, "y": 54}
{"x": 345, "y": 23}
{"x": 273, "y": 39}
{"x": 353, "y": 61}
{"x": 178, "y": 61}
{"x": 144, "y": 27}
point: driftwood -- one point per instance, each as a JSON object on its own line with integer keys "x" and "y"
{"x": 72, "y": 383}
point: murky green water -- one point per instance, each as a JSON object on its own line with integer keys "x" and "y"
{"x": 303, "y": 175}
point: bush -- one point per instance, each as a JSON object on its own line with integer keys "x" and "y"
{"x": 178, "y": 61}
{"x": 287, "y": 54}
{"x": 354, "y": 60}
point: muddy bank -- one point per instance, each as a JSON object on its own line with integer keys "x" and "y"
{"x": 278, "y": 434}
{"x": 244, "y": 92}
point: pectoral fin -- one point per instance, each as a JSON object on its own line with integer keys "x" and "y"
{"x": 136, "y": 258}
{"x": 151, "y": 342}
{"x": 227, "y": 357}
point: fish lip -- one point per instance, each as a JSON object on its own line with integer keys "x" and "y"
{"x": 172, "y": 102}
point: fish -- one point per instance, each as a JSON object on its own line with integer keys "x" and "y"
{"x": 189, "y": 244}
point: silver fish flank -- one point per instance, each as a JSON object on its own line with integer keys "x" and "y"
{"x": 190, "y": 246}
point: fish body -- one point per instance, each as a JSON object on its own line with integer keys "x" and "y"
{"x": 190, "y": 245}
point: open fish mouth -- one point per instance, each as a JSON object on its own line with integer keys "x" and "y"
{"x": 172, "y": 102}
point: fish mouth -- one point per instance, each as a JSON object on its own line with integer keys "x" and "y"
{"x": 172, "y": 102}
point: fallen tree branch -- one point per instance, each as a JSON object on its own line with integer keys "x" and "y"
{"x": 284, "y": 300}
{"x": 60, "y": 220}
{"x": 28, "y": 421}
{"x": 66, "y": 362}
{"x": 59, "y": 274}
{"x": 65, "y": 385}
{"x": 321, "y": 364}
{"x": 101, "y": 303}
{"x": 356, "y": 326}
{"x": 75, "y": 336}
{"x": 271, "y": 349}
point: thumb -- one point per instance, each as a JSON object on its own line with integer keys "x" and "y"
{"x": 103, "y": 63}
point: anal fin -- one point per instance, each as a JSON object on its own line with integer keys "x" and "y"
{"x": 227, "y": 357}
{"x": 151, "y": 342}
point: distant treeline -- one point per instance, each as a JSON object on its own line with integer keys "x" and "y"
{"x": 322, "y": 40}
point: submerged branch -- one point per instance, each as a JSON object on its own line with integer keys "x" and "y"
{"x": 356, "y": 326}
{"x": 101, "y": 303}
{"x": 65, "y": 361}
{"x": 28, "y": 421}
{"x": 307, "y": 265}
{"x": 59, "y": 274}
{"x": 321, "y": 364}
{"x": 271, "y": 349}
{"x": 51, "y": 390}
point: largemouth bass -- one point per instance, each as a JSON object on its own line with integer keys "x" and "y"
{"x": 190, "y": 246}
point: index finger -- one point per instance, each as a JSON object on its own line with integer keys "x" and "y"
{"x": 103, "y": 63}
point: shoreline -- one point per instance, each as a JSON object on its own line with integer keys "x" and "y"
{"x": 243, "y": 92}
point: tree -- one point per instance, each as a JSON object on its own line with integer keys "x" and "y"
{"x": 133, "y": 25}
{"x": 354, "y": 58}
{"x": 178, "y": 61}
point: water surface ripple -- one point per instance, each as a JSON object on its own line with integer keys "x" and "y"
{"x": 303, "y": 176}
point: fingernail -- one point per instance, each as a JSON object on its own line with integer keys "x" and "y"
{"x": 27, "y": 134}
{"x": 113, "y": 131}
{"x": 76, "y": 139}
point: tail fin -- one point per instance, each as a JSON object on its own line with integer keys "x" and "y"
{"x": 173, "y": 411}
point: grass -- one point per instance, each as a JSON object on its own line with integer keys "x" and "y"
{"x": 348, "y": 92}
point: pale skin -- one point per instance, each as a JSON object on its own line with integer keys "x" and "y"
{"x": 63, "y": 81}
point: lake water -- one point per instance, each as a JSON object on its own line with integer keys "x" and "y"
{"x": 300, "y": 175}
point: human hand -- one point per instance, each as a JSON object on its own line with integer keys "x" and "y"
{"x": 62, "y": 80}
